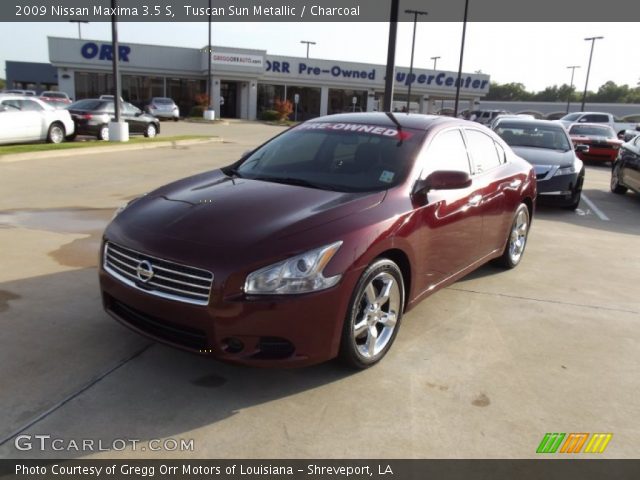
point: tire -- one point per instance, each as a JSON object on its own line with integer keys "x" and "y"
{"x": 175, "y": 119}
{"x": 103, "y": 132}
{"x": 56, "y": 133}
{"x": 615, "y": 181}
{"x": 150, "y": 131}
{"x": 517, "y": 238}
{"x": 575, "y": 200}
{"x": 72, "y": 137}
{"x": 376, "y": 306}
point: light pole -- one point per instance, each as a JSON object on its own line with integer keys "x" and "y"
{"x": 573, "y": 71}
{"x": 391, "y": 56}
{"x": 308, "y": 43}
{"x": 586, "y": 82}
{"x": 464, "y": 34}
{"x": 413, "y": 44}
{"x": 79, "y": 29}
{"x": 209, "y": 89}
{"x": 435, "y": 61}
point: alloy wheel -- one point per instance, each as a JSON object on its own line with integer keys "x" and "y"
{"x": 518, "y": 237}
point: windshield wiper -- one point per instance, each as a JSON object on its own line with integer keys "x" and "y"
{"x": 293, "y": 181}
{"x": 232, "y": 172}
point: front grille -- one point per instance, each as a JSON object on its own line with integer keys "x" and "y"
{"x": 178, "y": 334}
{"x": 169, "y": 280}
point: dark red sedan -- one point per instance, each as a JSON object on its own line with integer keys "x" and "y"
{"x": 314, "y": 245}
{"x": 602, "y": 141}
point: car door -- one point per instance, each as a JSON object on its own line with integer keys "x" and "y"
{"x": 131, "y": 116}
{"x": 491, "y": 185}
{"x": 11, "y": 129}
{"x": 451, "y": 221}
{"x": 34, "y": 120}
{"x": 630, "y": 168}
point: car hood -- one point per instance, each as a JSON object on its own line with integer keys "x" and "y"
{"x": 545, "y": 156}
{"x": 214, "y": 209}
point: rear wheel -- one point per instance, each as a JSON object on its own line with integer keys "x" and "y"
{"x": 615, "y": 181}
{"x": 517, "y": 240}
{"x": 56, "y": 133}
{"x": 374, "y": 315}
{"x": 103, "y": 132}
{"x": 150, "y": 131}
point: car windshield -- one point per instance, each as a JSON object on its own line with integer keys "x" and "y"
{"x": 592, "y": 130}
{"x": 572, "y": 117}
{"x": 531, "y": 135}
{"x": 163, "y": 101}
{"x": 347, "y": 157}
{"x": 89, "y": 104}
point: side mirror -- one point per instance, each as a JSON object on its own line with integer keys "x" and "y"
{"x": 441, "y": 180}
{"x": 582, "y": 148}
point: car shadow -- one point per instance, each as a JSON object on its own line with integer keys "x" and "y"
{"x": 60, "y": 346}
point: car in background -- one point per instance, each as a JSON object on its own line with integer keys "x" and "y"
{"x": 92, "y": 117}
{"x": 602, "y": 141}
{"x": 318, "y": 240}
{"x": 15, "y": 91}
{"x": 55, "y": 99}
{"x": 546, "y": 145}
{"x": 485, "y": 117}
{"x": 628, "y": 135}
{"x": 28, "y": 119}
{"x": 162, "y": 107}
{"x": 504, "y": 116}
{"x": 598, "y": 117}
{"x": 625, "y": 173}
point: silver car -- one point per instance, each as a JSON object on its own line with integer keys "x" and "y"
{"x": 163, "y": 107}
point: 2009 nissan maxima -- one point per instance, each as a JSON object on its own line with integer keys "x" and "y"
{"x": 315, "y": 244}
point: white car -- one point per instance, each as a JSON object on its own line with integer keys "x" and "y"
{"x": 29, "y": 119}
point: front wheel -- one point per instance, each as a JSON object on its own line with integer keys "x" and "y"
{"x": 517, "y": 240}
{"x": 56, "y": 133}
{"x": 150, "y": 131}
{"x": 615, "y": 181}
{"x": 103, "y": 132}
{"x": 374, "y": 315}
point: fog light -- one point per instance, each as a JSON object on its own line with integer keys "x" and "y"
{"x": 232, "y": 345}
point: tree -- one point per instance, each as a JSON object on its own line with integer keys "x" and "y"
{"x": 508, "y": 91}
{"x": 284, "y": 109}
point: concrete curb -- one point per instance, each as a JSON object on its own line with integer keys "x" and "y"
{"x": 74, "y": 152}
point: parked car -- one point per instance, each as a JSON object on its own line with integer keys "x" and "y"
{"x": 546, "y": 145}
{"x": 28, "y": 119}
{"x": 625, "y": 174}
{"x": 92, "y": 117}
{"x": 317, "y": 242}
{"x": 55, "y": 99}
{"x": 598, "y": 117}
{"x": 162, "y": 107}
{"x": 602, "y": 141}
{"x": 507, "y": 116}
{"x": 628, "y": 135}
{"x": 485, "y": 117}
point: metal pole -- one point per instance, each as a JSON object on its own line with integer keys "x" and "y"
{"x": 308, "y": 43}
{"x": 435, "y": 61}
{"x": 79, "y": 32}
{"x": 586, "y": 82}
{"x": 573, "y": 71}
{"x": 209, "y": 89}
{"x": 391, "y": 56}
{"x": 464, "y": 34}
{"x": 116, "y": 68}
{"x": 413, "y": 44}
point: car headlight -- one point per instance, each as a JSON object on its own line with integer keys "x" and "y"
{"x": 566, "y": 171}
{"x": 299, "y": 274}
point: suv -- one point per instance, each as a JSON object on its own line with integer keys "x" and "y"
{"x": 485, "y": 117}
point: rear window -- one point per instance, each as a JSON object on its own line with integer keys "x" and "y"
{"x": 162, "y": 101}
{"x": 532, "y": 135}
{"x": 572, "y": 117}
{"x": 90, "y": 104}
{"x": 336, "y": 156}
{"x": 593, "y": 130}
{"x": 595, "y": 118}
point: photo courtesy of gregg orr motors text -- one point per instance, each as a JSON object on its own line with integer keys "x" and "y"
{"x": 44, "y": 443}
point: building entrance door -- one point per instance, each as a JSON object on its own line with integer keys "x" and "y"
{"x": 228, "y": 99}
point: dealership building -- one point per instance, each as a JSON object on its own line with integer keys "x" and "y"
{"x": 247, "y": 82}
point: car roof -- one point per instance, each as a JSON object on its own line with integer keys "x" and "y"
{"x": 530, "y": 121}
{"x": 408, "y": 120}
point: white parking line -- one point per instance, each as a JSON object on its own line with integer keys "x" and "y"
{"x": 595, "y": 209}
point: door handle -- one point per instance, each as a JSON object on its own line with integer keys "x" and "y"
{"x": 515, "y": 183}
{"x": 475, "y": 200}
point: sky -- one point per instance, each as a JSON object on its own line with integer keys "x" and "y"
{"x": 535, "y": 54}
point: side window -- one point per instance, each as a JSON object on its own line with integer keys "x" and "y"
{"x": 595, "y": 118}
{"x": 447, "y": 152}
{"x": 12, "y": 105}
{"x": 31, "y": 106}
{"x": 502, "y": 155}
{"x": 483, "y": 151}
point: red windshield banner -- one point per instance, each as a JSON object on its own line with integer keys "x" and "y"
{"x": 354, "y": 127}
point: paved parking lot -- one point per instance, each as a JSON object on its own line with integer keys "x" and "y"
{"x": 481, "y": 369}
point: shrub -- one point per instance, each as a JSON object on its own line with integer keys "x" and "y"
{"x": 197, "y": 111}
{"x": 270, "y": 115}
{"x": 202, "y": 99}
{"x": 284, "y": 109}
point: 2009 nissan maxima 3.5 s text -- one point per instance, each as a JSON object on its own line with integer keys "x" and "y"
{"x": 313, "y": 245}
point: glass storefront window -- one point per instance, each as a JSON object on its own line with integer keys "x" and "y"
{"x": 92, "y": 85}
{"x": 267, "y": 96}
{"x": 342, "y": 101}
{"x": 309, "y": 106}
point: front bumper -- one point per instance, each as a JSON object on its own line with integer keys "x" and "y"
{"x": 275, "y": 331}
{"x": 165, "y": 113}
{"x": 559, "y": 188}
